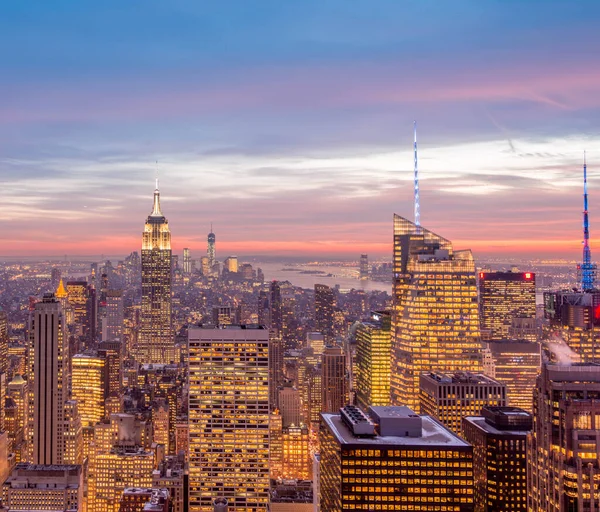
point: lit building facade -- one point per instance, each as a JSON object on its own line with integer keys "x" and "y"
{"x": 229, "y": 417}
{"x": 504, "y": 296}
{"x": 44, "y": 487}
{"x": 373, "y": 354}
{"x": 296, "y": 462}
{"x": 499, "y": 440}
{"x": 517, "y": 364}
{"x": 156, "y": 342}
{"x": 449, "y": 398}
{"x": 88, "y": 386}
{"x": 435, "y": 315}
{"x": 116, "y": 470}
{"x": 398, "y": 461}
{"x": 563, "y": 468}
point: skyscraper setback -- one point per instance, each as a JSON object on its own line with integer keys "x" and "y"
{"x": 435, "y": 316}
{"x": 156, "y": 344}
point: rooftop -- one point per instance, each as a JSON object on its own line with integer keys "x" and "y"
{"x": 433, "y": 434}
{"x": 481, "y": 423}
{"x": 459, "y": 378}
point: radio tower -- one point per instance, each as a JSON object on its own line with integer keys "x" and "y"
{"x": 417, "y": 206}
{"x": 586, "y": 270}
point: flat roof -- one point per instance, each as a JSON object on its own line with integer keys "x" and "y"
{"x": 433, "y": 434}
{"x": 385, "y": 411}
{"x": 479, "y": 421}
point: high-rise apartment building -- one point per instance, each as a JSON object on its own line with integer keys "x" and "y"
{"x": 324, "y": 308}
{"x": 373, "y": 354}
{"x": 44, "y": 487}
{"x": 334, "y": 380}
{"x": 517, "y": 364}
{"x": 397, "y": 460}
{"x": 229, "y": 417}
{"x": 499, "y": 440}
{"x": 563, "y": 466}
{"x": 48, "y": 382}
{"x": 156, "y": 342}
{"x": 504, "y": 296}
{"x": 450, "y": 397}
{"x": 435, "y": 315}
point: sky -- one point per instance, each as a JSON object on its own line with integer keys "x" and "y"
{"x": 289, "y": 125}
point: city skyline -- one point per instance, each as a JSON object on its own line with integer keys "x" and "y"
{"x": 305, "y": 147}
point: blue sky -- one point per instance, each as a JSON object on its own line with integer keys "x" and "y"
{"x": 289, "y": 124}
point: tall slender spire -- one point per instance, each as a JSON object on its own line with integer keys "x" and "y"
{"x": 587, "y": 269}
{"x": 417, "y": 205}
{"x": 156, "y": 212}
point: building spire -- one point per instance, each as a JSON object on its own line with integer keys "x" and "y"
{"x": 156, "y": 212}
{"x": 417, "y": 205}
{"x": 587, "y": 269}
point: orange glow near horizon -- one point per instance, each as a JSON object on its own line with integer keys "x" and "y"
{"x": 348, "y": 248}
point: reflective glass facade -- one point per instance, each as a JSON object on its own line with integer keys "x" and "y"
{"x": 435, "y": 315}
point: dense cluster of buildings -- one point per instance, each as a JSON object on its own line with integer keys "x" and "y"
{"x": 155, "y": 386}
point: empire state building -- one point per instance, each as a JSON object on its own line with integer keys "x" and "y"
{"x": 156, "y": 344}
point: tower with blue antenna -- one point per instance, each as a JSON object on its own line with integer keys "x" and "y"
{"x": 586, "y": 270}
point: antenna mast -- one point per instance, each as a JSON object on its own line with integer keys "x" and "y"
{"x": 587, "y": 269}
{"x": 417, "y": 206}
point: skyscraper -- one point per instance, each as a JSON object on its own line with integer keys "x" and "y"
{"x": 364, "y": 266}
{"x": 48, "y": 382}
{"x": 449, "y": 398}
{"x": 113, "y": 326}
{"x": 517, "y": 364}
{"x": 89, "y": 374}
{"x": 211, "y": 250}
{"x": 156, "y": 343}
{"x": 229, "y": 417}
{"x": 373, "y": 352}
{"x": 563, "y": 467}
{"x": 503, "y": 297}
{"x": 395, "y": 461}
{"x": 276, "y": 308}
{"x": 435, "y": 315}
{"x": 324, "y": 306}
{"x": 499, "y": 439}
{"x": 334, "y": 380}
{"x": 187, "y": 261}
